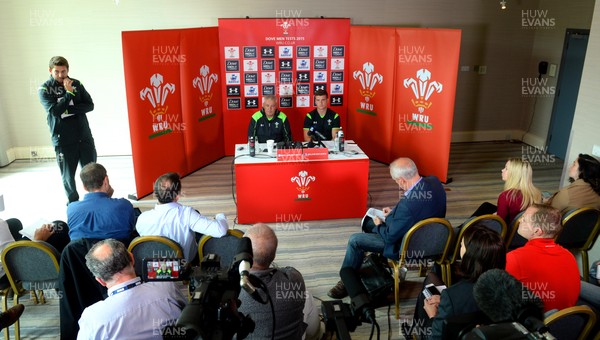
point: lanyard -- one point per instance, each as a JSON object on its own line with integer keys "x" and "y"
{"x": 129, "y": 286}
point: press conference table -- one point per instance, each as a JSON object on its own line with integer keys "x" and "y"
{"x": 274, "y": 191}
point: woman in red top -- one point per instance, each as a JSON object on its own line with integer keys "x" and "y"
{"x": 519, "y": 191}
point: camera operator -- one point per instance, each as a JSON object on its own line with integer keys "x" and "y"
{"x": 132, "y": 310}
{"x": 295, "y": 311}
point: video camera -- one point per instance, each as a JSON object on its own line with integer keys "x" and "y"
{"x": 212, "y": 312}
{"x": 343, "y": 318}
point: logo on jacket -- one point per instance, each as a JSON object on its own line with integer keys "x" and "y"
{"x": 302, "y": 181}
{"x": 204, "y": 84}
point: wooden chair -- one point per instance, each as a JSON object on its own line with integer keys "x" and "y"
{"x": 225, "y": 246}
{"x": 571, "y": 323}
{"x": 580, "y": 229}
{"x": 491, "y": 221}
{"x": 427, "y": 241}
{"x": 30, "y": 265}
{"x": 153, "y": 247}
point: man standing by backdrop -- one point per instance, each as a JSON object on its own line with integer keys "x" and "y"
{"x": 270, "y": 123}
{"x": 66, "y": 101}
{"x": 322, "y": 119}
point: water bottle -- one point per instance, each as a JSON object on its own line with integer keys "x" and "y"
{"x": 340, "y": 140}
{"x": 251, "y": 146}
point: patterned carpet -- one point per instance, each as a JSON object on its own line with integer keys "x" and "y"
{"x": 315, "y": 248}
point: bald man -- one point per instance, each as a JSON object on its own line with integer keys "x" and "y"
{"x": 294, "y": 308}
{"x": 132, "y": 310}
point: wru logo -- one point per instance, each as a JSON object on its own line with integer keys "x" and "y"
{"x": 368, "y": 79}
{"x": 204, "y": 83}
{"x": 302, "y": 180}
{"x": 422, "y": 89}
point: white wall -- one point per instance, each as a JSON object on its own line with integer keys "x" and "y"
{"x": 88, "y": 34}
{"x": 586, "y": 123}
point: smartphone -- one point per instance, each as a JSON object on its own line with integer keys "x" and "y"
{"x": 430, "y": 290}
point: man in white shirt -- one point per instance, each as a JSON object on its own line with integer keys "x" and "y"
{"x": 132, "y": 310}
{"x": 176, "y": 221}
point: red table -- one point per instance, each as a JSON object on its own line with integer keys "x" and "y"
{"x": 292, "y": 191}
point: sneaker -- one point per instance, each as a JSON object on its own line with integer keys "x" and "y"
{"x": 338, "y": 291}
{"x": 11, "y": 315}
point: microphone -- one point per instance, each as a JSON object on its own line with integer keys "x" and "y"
{"x": 504, "y": 298}
{"x": 243, "y": 262}
{"x": 361, "y": 302}
{"x": 313, "y": 132}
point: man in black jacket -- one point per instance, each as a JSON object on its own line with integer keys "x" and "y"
{"x": 66, "y": 101}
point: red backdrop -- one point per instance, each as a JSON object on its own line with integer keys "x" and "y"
{"x": 191, "y": 92}
{"x": 402, "y": 97}
{"x": 294, "y": 56}
{"x": 173, "y": 99}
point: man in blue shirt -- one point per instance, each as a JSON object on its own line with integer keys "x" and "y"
{"x": 98, "y": 215}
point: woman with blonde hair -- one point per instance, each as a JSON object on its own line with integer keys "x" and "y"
{"x": 519, "y": 191}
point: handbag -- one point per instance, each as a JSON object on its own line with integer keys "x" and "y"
{"x": 376, "y": 276}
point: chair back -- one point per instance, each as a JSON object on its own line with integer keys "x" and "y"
{"x": 427, "y": 240}
{"x": 513, "y": 239}
{"x": 491, "y": 221}
{"x": 35, "y": 264}
{"x": 225, "y": 246}
{"x": 153, "y": 247}
{"x": 571, "y": 323}
{"x": 579, "y": 228}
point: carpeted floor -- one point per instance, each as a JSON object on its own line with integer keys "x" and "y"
{"x": 315, "y": 248}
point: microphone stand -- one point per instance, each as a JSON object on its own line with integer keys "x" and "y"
{"x": 318, "y": 141}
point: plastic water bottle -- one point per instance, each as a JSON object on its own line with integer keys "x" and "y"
{"x": 251, "y": 146}
{"x": 340, "y": 140}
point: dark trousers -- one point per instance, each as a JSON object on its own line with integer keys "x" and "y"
{"x": 59, "y": 239}
{"x": 67, "y": 157}
{"x": 485, "y": 208}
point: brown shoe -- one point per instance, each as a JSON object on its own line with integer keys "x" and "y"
{"x": 11, "y": 315}
{"x": 338, "y": 291}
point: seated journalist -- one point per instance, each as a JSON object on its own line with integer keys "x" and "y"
{"x": 296, "y": 315}
{"x": 547, "y": 269}
{"x": 133, "y": 309}
{"x": 584, "y": 190}
{"x": 98, "y": 216}
{"x": 481, "y": 249}
{"x": 178, "y": 222}
{"x": 422, "y": 198}
{"x": 270, "y": 123}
